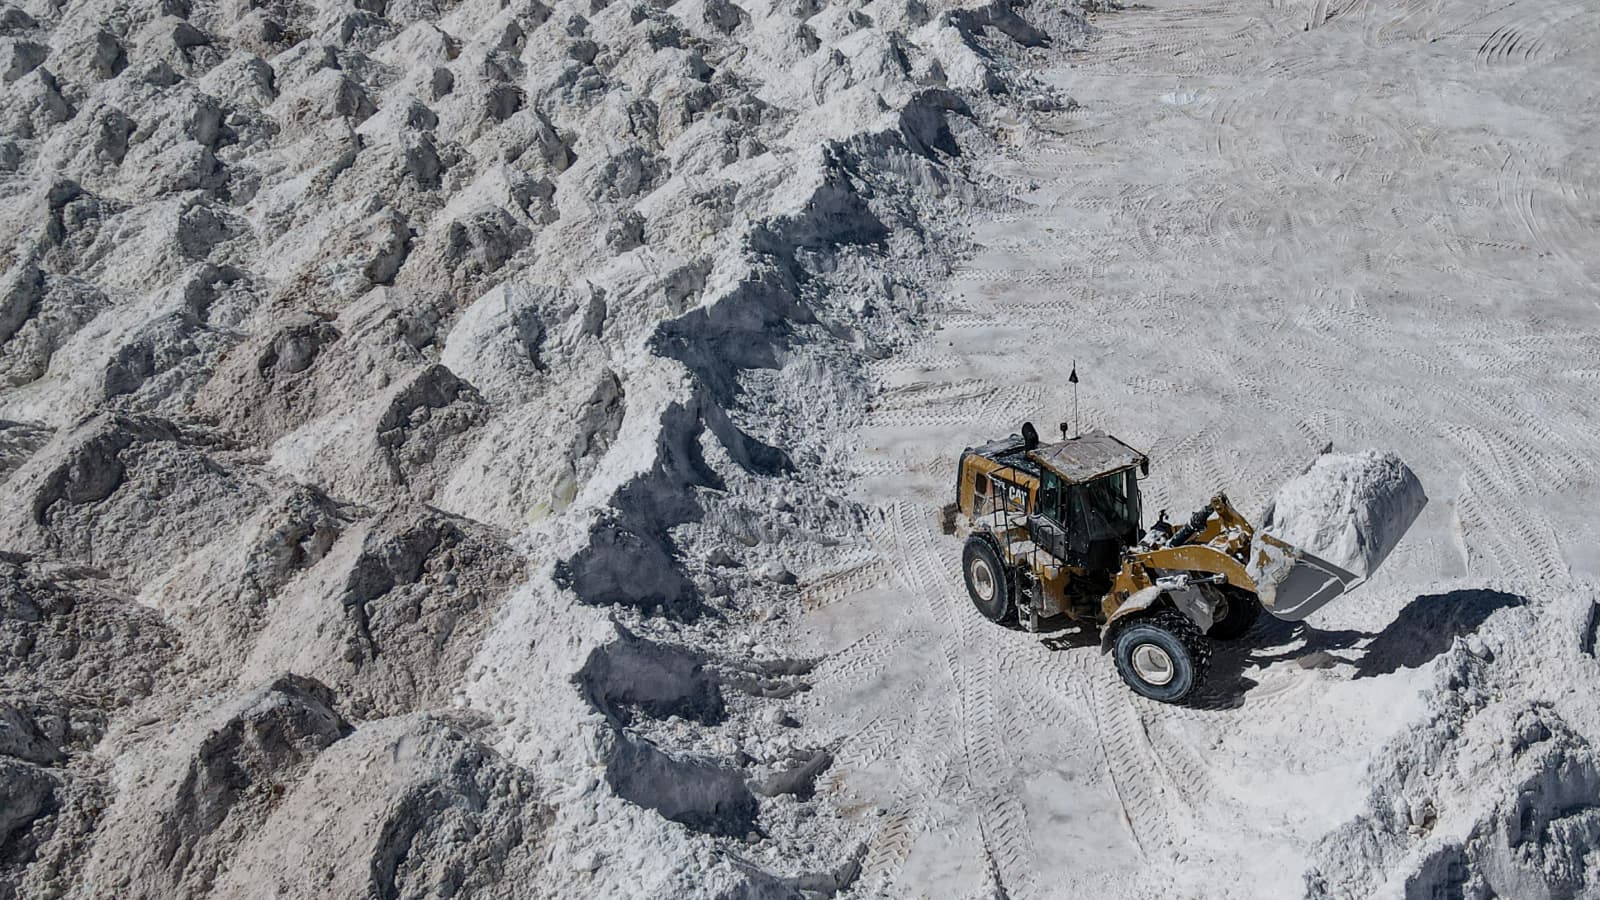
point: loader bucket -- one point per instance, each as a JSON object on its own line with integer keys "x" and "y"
{"x": 1329, "y": 528}
{"x": 1292, "y": 583}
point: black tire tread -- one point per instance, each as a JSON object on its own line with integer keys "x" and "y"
{"x": 1194, "y": 641}
{"x": 1007, "y": 586}
{"x": 1187, "y": 633}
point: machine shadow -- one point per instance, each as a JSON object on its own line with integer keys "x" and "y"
{"x": 1422, "y": 630}
{"x": 1427, "y": 626}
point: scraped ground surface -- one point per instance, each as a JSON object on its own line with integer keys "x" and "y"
{"x": 1269, "y": 227}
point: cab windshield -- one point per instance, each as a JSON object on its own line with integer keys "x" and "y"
{"x": 1108, "y": 505}
{"x": 1105, "y": 507}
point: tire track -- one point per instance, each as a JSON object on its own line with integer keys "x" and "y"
{"x": 1256, "y": 238}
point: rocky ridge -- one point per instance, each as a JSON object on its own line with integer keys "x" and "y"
{"x": 388, "y": 389}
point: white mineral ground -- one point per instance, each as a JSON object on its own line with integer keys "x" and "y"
{"x": 490, "y": 449}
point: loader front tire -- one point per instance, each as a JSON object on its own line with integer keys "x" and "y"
{"x": 1237, "y": 611}
{"x": 987, "y": 580}
{"x": 1162, "y": 656}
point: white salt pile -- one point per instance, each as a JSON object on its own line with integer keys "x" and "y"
{"x": 1329, "y": 528}
{"x": 1348, "y": 509}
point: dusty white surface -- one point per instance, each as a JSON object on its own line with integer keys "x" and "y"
{"x": 1269, "y": 227}
{"x": 404, "y": 412}
{"x": 479, "y": 449}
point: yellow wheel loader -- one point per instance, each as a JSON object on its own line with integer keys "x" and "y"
{"x": 1055, "y": 530}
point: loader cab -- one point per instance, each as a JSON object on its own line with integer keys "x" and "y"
{"x": 1087, "y": 509}
{"x": 1087, "y": 524}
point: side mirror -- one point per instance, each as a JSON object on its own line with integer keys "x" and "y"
{"x": 1144, "y": 465}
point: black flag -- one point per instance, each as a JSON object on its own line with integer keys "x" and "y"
{"x": 1073, "y": 379}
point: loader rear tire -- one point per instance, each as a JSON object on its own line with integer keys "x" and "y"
{"x": 1237, "y": 611}
{"x": 1162, "y": 656}
{"x": 988, "y": 582}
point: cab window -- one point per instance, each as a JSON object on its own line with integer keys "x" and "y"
{"x": 1050, "y": 496}
{"x": 1110, "y": 505}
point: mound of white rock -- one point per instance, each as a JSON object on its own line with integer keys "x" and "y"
{"x": 1328, "y": 529}
{"x": 1349, "y": 509}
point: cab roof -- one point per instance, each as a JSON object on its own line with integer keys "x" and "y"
{"x": 1086, "y": 456}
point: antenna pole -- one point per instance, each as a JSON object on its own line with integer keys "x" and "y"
{"x": 1076, "y": 430}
